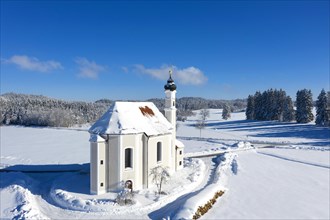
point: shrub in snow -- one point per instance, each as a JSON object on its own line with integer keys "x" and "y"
{"x": 242, "y": 144}
{"x": 125, "y": 197}
{"x": 205, "y": 208}
{"x": 159, "y": 175}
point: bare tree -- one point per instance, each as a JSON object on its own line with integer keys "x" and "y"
{"x": 204, "y": 114}
{"x": 159, "y": 175}
{"x": 200, "y": 125}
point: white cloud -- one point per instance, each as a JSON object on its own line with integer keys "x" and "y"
{"x": 88, "y": 69}
{"x": 124, "y": 69}
{"x": 33, "y": 64}
{"x": 188, "y": 76}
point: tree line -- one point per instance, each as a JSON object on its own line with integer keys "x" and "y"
{"x": 276, "y": 105}
{"x": 36, "y": 110}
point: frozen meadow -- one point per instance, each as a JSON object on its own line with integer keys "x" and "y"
{"x": 289, "y": 179}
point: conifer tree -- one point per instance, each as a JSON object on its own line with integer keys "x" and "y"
{"x": 321, "y": 109}
{"x": 250, "y": 108}
{"x": 304, "y": 104}
{"x": 258, "y": 103}
{"x": 226, "y": 112}
{"x": 288, "y": 111}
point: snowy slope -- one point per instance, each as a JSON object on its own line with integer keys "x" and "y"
{"x": 271, "y": 188}
{"x": 259, "y": 184}
{"x": 25, "y": 145}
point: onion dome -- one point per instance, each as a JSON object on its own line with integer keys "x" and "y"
{"x": 170, "y": 85}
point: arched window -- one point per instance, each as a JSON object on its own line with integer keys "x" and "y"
{"x": 128, "y": 158}
{"x": 159, "y": 151}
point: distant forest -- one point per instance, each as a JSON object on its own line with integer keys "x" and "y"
{"x": 36, "y": 110}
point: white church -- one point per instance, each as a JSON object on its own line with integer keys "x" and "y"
{"x": 129, "y": 140}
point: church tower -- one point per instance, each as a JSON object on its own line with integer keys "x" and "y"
{"x": 170, "y": 109}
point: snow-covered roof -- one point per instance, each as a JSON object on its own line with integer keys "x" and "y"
{"x": 179, "y": 144}
{"x": 96, "y": 138}
{"x": 132, "y": 118}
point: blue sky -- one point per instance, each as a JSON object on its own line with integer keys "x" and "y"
{"x": 87, "y": 50}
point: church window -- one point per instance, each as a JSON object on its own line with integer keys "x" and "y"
{"x": 159, "y": 151}
{"x": 101, "y": 162}
{"x": 180, "y": 152}
{"x": 173, "y": 103}
{"x": 101, "y": 184}
{"x": 180, "y": 163}
{"x": 128, "y": 158}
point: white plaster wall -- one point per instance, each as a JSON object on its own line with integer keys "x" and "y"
{"x": 134, "y": 174}
{"x": 179, "y": 158}
{"x": 93, "y": 168}
{"x": 113, "y": 163}
{"x": 97, "y": 170}
{"x": 152, "y": 153}
{"x": 102, "y": 168}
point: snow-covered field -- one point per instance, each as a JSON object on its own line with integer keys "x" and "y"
{"x": 290, "y": 181}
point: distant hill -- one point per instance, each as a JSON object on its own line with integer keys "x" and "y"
{"x": 37, "y": 110}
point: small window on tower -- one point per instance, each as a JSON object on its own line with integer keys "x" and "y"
{"x": 101, "y": 184}
{"x": 180, "y": 163}
{"x": 173, "y": 103}
{"x": 159, "y": 151}
{"x": 101, "y": 162}
{"x": 128, "y": 158}
{"x": 180, "y": 152}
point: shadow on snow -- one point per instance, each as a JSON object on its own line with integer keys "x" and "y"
{"x": 273, "y": 129}
{"x": 39, "y": 179}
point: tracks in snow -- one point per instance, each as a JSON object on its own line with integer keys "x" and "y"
{"x": 295, "y": 160}
{"x": 170, "y": 209}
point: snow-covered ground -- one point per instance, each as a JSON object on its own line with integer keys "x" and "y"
{"x": 290, "y": 181}
{"x": 267, "y": 187}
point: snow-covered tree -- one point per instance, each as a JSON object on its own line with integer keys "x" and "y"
{"x": 204, "y": 114}
{"x": 272, "y": 104}
{"x": 226, "y": 112}
{"x": 280, "y": 103}
{"x": 250, "y": 108}
{"x": 321, "y": 109}
{"x": 200, "y": 124}
{"x": 288, "y": 111}
{"x": 304, "y": 104}
{"x": 160, "y": 175}
{"x": 258, "y": 103}
{"x": 125, "y": 197}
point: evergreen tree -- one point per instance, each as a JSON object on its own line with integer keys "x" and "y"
{"x": 280, "y": 104}
{"x": 321, "y": 109}
{"x": 250, "y": 108}
{"x": 226, "y": 112}
{"x": 288, "y": 111}
{"x": 304, "y": 104}
{"x": 258, "y": 103}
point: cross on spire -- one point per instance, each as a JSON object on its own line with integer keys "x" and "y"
{"x": 170, "y": 72}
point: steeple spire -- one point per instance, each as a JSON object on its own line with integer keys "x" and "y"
{"x": 170, "y": 82}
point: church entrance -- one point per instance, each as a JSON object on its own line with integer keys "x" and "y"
{"x": 129, "y": 185}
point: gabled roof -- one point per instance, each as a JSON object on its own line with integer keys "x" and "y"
{"x": 132, "y": 118}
